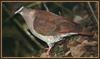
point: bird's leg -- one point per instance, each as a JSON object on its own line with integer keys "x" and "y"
{"x": 48, "y": 50}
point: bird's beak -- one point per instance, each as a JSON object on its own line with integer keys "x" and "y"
{"x": 19, "y": 10}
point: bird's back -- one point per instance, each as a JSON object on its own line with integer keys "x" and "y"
{"x": 47, "y": 23}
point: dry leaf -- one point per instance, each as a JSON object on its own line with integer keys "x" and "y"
{"x": 44, "y": 55}
{"x": 77, "y": 51}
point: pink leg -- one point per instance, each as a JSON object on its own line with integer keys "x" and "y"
{"x": 48, "y": 50}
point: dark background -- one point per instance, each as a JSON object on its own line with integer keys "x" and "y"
{"x": 15, "y": 40}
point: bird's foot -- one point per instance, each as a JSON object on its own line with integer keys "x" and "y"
{"x": 48, "y": 50}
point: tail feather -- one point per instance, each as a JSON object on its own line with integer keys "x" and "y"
{"x": 85, "y": 33}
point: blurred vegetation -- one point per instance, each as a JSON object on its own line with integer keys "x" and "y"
{"x": 17, "y": 40}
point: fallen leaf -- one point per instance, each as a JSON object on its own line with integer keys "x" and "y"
{"x": 44, "y": 55}
{"x": 77, "y": 51}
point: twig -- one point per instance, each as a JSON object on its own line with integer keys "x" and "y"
{"x": 47, "y": 9}
{"x": 33, "y": 4}
{"x": 67, "y": 53}
{"x": 91, "y": 9}
{"x": 15, "y": 20}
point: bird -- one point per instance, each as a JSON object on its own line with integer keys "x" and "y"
{"x": 49, "y": 27}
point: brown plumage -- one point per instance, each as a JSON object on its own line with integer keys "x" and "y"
{"x": 48, "y": 23}
{"x": 48, "y": 26}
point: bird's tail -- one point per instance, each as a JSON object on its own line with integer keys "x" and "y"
{"x": 85, "y": 33}
{"x": 79, "y": 33}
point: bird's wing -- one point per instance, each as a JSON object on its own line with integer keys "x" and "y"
{"x": 44, "y": 22}
{"x": 47, "y": 23}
